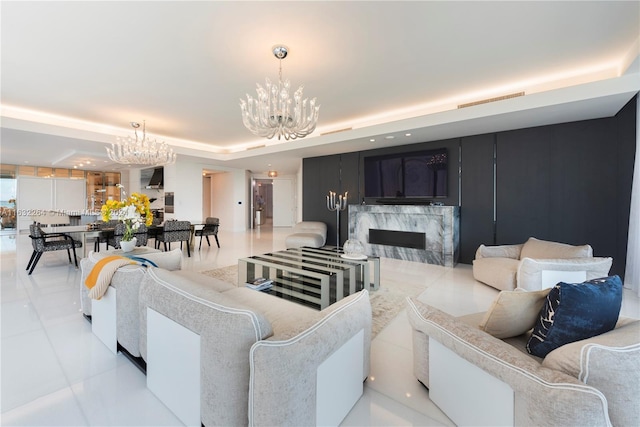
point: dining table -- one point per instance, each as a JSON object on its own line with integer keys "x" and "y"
{"x": 90, "y": 231}
{"x": 79, "y": 232}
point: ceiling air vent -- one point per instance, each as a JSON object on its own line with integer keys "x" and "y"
{"x": 486, "y": 101}
{"x": 335, "y": 131}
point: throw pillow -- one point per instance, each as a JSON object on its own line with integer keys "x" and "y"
{"x": 513, "y": 313}
{"x": 542, "y": 249}
{"x": 574, "y": 312}
{"x": 170, "y": 260}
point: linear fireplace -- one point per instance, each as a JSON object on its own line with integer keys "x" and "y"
{"x": 411, "y": 232}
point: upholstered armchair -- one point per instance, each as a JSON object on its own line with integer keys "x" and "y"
{"x": 45, "y": 242}
{"x": 307, "y": 233}
{"x": 175, "y": 231}
{"x": 210, "y": 229}
{"x": 537, "y": 264}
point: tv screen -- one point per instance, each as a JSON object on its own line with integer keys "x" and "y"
{"x": 419, "y": 174}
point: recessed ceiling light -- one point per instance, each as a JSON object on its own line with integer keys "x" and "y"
{"x": 80, "y": 164}
{"x": 389, "y": 137}
{"x": 75, "y": 167}
{"x": 407, "y": 134}
{"x": 372, "y": 140}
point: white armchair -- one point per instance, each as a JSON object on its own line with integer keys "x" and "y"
{"x": 537, "y": 264}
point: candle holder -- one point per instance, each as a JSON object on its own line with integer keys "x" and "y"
{"x": 337, "y": 204}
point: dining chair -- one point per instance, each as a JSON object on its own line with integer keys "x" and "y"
{"x": 106, "y": 231}
{"x": 44, "y": 242}
{"x": 175, "y": 231}
{"x": 210, "y": 229}
{"x": 118, "y": 232}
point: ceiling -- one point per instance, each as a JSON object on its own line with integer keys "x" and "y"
{"x": 74, "y": 74}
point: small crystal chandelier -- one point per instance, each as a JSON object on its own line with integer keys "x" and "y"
{"x": 141, "y": 151}
{"x": 274, "y": 112}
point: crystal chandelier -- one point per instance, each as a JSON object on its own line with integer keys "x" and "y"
{"x": 141, "y": 151}
{"x": 275, "y": 112}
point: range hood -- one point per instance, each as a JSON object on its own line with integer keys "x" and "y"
{"x": 157, "y": 179}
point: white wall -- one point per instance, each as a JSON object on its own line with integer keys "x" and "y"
{"x": 230, "y": 192}
{"x": 184, "y": 179}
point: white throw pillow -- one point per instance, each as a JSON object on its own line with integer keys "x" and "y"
{"x": 170, "y": 260}
{"x": 542, "y": 249}
{"x": 513, "y": 313}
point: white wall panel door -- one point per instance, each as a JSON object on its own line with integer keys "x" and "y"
{"x": 36, "y": 196}
{"x": 33, "y": 195}
{"x": 283, "y": 203}
{"x": 69, "y": 195}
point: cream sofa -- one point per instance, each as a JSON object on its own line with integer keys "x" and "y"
{"x": 237, "y": 356}
{"x": 477, "y": 379}
{"x": 307, "y": 233}
{"x": 115, "y": 317}
{"x": 241, "y": 357}
{"x": 537, "y": 264}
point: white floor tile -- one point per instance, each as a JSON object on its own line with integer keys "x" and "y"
{"x": 392, "y": 375}
{"x": 81, "y": 354}
{"x": 56, "y": 409}
{"x": 30, "y": 369}
{"x": 18, "y": 317}
{"x": 376, "y": 409}
{"x": 120, "y": 397}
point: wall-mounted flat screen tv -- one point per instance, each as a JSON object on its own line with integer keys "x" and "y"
{"x": 419, "y": 174}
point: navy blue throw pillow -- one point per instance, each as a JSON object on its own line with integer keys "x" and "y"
{"x": 574, "y": 312}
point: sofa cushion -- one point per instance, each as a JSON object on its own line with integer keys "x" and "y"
{"x": 195, "y": 284}
{"x": 542, "y": 249}
{"x": 497, "y": 272}
{"x": 210, "y": 282}
{"x": 500, "y": 251}
{"x": 574, "y": 312}
{"x": 299, "y": 240}
{"x": 568, "y": 358}
{"x": 170, "y": 260}
{"x": 513, "y": 313}
{"x": 286, "y": 317}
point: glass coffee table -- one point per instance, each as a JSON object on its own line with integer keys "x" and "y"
{"x": 311, "y": 276}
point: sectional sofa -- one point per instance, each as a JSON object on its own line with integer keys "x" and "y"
{"x": 238, "y": 356}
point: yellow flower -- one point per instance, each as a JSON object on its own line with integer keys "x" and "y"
{"x": 111, "y": 209}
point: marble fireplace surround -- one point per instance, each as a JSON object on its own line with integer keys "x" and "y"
{"x": 397, "y": 228}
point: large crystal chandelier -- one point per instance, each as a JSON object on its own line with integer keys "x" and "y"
{"x": 141, "y": 150}
{"x": 275, "y": 112}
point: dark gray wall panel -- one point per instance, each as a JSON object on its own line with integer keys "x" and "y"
{"x": 569, "y": 182}
{"x": 626, "y": 137}
{"x": 319, "y": 175}
{"x": 349, "y": 181}
{"x": 476, "y": 208}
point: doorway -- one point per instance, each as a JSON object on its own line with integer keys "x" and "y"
{"x": 263, "y": 202}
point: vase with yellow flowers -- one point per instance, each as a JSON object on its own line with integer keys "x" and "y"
{"x": 132, "y": 211}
